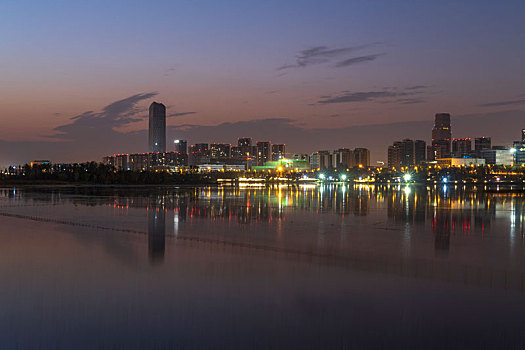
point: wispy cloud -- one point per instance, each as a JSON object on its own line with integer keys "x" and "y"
{"x": 504, "y": 103}
{"x": 180, "y": 114}
{"x": 359, "y": 59}
{"x": 387, "y": 95}
{"x": 324, "y": 54}
{"x": 114, "y": 115}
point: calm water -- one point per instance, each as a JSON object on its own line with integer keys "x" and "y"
{"x": 362, "y": 267}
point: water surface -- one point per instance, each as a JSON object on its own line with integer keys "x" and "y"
{"x": 280, "y": 267}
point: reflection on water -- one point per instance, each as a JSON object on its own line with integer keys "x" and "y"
{"x": 223, "y": 251}
{"x": 156, "y": 233}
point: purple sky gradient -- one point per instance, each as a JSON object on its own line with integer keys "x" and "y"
{"x": 304, "y": 68}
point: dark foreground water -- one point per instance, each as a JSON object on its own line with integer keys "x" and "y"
{"x": 359, "y": 267}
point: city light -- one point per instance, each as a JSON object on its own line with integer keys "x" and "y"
{"x": 322, "y": 176}
{"x": 343, "y": 177}
{"x": 407, "y": 177}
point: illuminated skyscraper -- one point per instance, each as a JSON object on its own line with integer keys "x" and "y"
{"x": 441, "y": 135}
{"x": 157, "y": 128}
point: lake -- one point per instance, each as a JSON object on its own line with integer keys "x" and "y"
{"x": 304, "y": 267}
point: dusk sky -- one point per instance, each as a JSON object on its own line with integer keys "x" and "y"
{"x": 76, "y": 77}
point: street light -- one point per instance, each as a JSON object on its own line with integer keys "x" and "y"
{"x": 407, "y": 177}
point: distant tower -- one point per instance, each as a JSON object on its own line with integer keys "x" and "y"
{"x": 441, "y": 135}
{"x": 157, "y": 128}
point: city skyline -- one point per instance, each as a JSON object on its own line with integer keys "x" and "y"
{"x": 356, "y": 66}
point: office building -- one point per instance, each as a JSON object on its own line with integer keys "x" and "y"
{"x": 441, "y": 135}
{"x": 495, "y": 156}
{"x": 278, "y": 151}
{"x": 482, "y": 143}
{"x": 157, "y": 127}
{"x": 462, "y": 147}
{"x": 181, "y": 146}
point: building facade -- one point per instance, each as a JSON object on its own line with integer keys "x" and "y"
{"x": 362, "y": 157}
{"x": 278, "y": 151}
{"x": 181, "y": 146}
{"x": 462, "y": 147}
{"x": 157, "y": 128}
{"x": 264, "y": 152}
{"x": 441, "y": 135}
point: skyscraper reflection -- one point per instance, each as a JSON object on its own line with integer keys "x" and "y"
{"x": 156, "y": 234}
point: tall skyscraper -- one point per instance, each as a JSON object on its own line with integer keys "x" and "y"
{"x": 181, "y": 146}
{"x": 441, "y": 135}
{"x": 157, "y": 128}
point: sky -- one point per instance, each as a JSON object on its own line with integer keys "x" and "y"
{"x": 76, "y": 77}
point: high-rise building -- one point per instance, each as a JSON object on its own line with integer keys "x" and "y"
{"x": 461, "y": 147}
{"x": 343, "y": 158}
{"x": 264, "y": 152}
{"x": 441, "y": 135}
{"x": 394, "y": 156}
{"x": 431, "y": 155}
{"x": 199, "y": 154}
{"x": 523, "y": 135}
{"x": 157, "y": 127}
{"x": 362, "y": 157}
{"x": 245, "y": 149}
{"x": 420, "y": 152}
{"x": 406, "y": 153}
{"x": 321, "y": 160}
{"x": 278, "y": 151}
{"x": 482, "y": 143}
{"x": 181, "y": 146}
{"x": 220, "y": 150}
